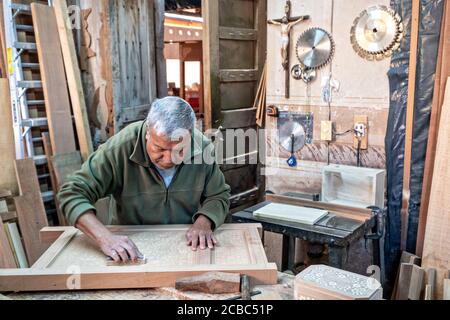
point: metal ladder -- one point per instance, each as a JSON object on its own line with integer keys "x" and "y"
{"x": 19, "y": 86}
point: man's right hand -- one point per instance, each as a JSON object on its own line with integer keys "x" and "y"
{"x": 119, "y": 248}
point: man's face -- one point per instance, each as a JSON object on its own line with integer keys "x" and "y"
{"x": 164, "y": 152}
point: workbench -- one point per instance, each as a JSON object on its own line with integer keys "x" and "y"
{"x": 284, "y": 290}
{"x": 336, "y": 231}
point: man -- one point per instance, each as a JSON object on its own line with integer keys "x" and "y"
{"x": 149, "y": 169}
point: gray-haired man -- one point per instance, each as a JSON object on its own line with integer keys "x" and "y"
{"x": 155, "y": 177}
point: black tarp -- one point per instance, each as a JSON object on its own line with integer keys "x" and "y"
{"x": 429, "y": 31}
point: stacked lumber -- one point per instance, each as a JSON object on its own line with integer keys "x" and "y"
{"x": 26, "y": 206}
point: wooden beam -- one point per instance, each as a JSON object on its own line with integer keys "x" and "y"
{"x": 442, "y": 73}
{"x": 30, "y": 209}
{"x": 161, "y": 73}
{"x": 73, "y": 78}
{"x": 415, "y": 15}
{"x": 6, "y": 255}
{"x": 57, "y": 101}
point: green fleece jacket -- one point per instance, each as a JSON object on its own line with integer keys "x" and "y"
{"x": 122, "y": 168}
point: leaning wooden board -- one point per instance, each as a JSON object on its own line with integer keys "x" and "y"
{"x": 436, "y": 250}
{"x": 73, "y": 262}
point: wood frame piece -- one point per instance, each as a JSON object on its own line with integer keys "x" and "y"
{"x": 42, "y": 277}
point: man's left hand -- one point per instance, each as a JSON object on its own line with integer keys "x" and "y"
{"x": 200, "y": 235}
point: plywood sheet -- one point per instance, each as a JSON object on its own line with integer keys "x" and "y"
{"x": 285, "y": 212}
{"x": 436, "y": 251}
{"x": 240, "y": 251}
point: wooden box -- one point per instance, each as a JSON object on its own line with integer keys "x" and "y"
{"x": 353, "y": 186}
{"x": 320, "y": 282}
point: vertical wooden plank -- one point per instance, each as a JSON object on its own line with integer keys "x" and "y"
{"x": 210, "y": 10}
{"x": 53, "y": 77}
{"x": 73, "y": 78}
{"x": 30, "y": 209}
{"x": 6, "y": 255}
{"x": 442, "y": 72}
{"x": 436, "y": 251}
{"x": 7, "y": 150}
{"x": 410, "y": 120}
{"x": 161, "y": 73}
{"x": 3, "y": 56}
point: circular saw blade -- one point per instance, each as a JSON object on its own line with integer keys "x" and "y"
{"x": 315, "y": 48}
{"x": 287, "y": 130}
{"x": 376, "y": 33}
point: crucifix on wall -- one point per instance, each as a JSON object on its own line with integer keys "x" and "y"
{"x": 286, "y": 23}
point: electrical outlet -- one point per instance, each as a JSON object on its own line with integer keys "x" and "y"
{"x": 361, "y": 126}
{"x": 326, "y": 131}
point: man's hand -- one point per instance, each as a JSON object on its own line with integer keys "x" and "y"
{"x": 201, "y": 235}
{"x": 120, "y": 248}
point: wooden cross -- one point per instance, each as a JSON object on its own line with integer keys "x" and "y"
{"x": 286, "y": 23}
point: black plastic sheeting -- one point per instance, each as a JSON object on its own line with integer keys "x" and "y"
{"x": 429, "y": 31}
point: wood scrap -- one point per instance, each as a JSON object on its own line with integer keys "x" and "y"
{"x": 54, "y": 82}
{"x": 16, "y": 244}
{"x": 30, "y": 209}
{"x": 417, "y": 283}
{"x": 73, "y": 78}
{"x": 8, "y": 216}
{"x": 7, "y": 259}
{"x": 406, "y": 257}
{"x": 211, "y": 283}
{"x": 436, "y": 251}
{"x": 260, "y": 98}
{"x": 442, "y": 73}
{"x": 446, "y": 289}
{"x": 415, "y": 16}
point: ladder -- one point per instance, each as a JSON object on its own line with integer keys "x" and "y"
{"x": 19, "y": 87}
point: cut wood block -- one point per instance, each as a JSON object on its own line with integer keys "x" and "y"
{"x": 446, "y": 294}
{"x": 430, "y": 284}
{"x": 320, "y": 282}
{"x": 54, "y": 82}
{"x": 417, "y": 283}
{"x": 211, "y": 282}
{"x": 8, "y": 216}
{"x": 7, "y": 259}
{"x": 436, "y": 251}
{"x": 5, "y": 194}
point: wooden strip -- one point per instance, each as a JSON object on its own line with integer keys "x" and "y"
{"x": 436, "y": 251}
{"x": 130, "y": 277}
{"x": 442, "y": 72}
{"x": 410, "y": 121}
{"x": 7, "y": 149}
{"x": 446, "y": 294}
{"x": 6, "y": 254}
{"x": 73, "y": 78}
{"x": 16, "y": 245}
{"x": 50, "y": 234}
{"x": 406, "y": 257}
{"x": 227, "y": 33}
{"x": 57, "y": 101}
{"x": 3, "y": 57}
{"x": 47, "y": 258}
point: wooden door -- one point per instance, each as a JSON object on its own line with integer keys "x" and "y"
{"x": 234, "y": 53}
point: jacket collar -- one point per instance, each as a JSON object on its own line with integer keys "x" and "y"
{"x": 141, "y": 157}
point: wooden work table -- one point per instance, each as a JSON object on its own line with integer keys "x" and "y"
{"x": 284, "y": 290}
